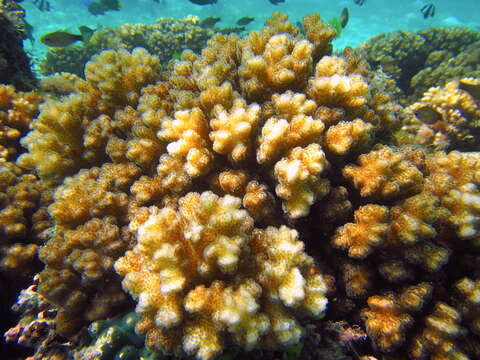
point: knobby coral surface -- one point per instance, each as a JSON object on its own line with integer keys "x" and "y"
{"x": 23, "y": 198}
{"x": 17, "y": 110}
{"x": 261, "y": 279}
{"x": 232, "y": 195}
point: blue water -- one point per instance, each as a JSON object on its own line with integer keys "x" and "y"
{"x": 374, "y": 17}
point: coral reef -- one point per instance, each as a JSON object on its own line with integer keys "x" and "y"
{"x": 237, "y": 194}
{"x": 14, "y": 62}
{"x": 426, "y": 58}
{"x": 164, "y": 38}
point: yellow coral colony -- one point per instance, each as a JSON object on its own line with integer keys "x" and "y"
{"x": 200, "y": 274}
{"x": 178, "y": 188}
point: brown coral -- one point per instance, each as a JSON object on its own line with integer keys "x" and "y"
{"x": 56, "y": 146}
{"x": 386, "y": 322}
{"x": 470, "y": 307}
{"x": 335, "y": 86}
{"x": 206, "y": 268}
{"x": 455, "y": 179}
{"x": 17, "y": 110}
{"x": 368, "y": 231}
{"x": 438, "y": 338}
{"x": 412, "y": 220}
{"x": 346, "y": 136}
{"x": 282, "y": 63}
{"x": 290, "y": 125}
{"x": 384, "y": 173}
{"x": 232, "y": 133}
{"x": 86, "y": 241}
{"x": 426, "y": 58}
{"x": 23, "y": 218}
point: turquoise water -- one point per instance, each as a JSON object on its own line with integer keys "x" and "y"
{"x": 372, "y": 18}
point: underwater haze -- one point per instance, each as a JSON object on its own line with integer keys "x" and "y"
{"x": 367, "y": 20}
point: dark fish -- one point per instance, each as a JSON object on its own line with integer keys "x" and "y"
{"x": 244, "y": 20}
{"x": 360, "y": 2}
{"x": 42, "y": 5}
{"x": 209, "y": 22}
{"x": 344, "y": 18}
{"x": 232, "y": 30}
{"x": 427, "y": 115}
{"x": 203, "y": 2}
{"x": 100, "y": 7}
{"x": 472, "y": 88}
{"x": 428, "y": 11}
{"x": 63, "y": 38}
{"x": 276, "y": 2}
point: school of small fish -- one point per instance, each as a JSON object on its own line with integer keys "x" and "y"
{"x": 100, "y": 7}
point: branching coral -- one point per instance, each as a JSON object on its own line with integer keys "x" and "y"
{"x": 370, "y": 230}
{"x": 59, "y": 84}
{"x": 385, "y": 321}
{"x": 260, "y": 279}
{"x": 70, "y": 134}
{"x": 232, "y": 133}
{"x": 85, "y": 242}
{"x": 257, "y": 198}
{"x": 384, "y": 173}
{"x": 201, "y": 185}
{"x": 335, "y": 86}
{"x": 187, "y": 136}
{"x": 23, "y": 218}
{"x": 36, "y": 328}
{"x": 291, "y": 124}
{"x": 469, "y": 291}
{"x": 299, "y": 181}
{"x": 282, "y": 64}
{"x": 455, "y": 179}
{"x": 346, "y": 136}
{"x": 412, "y": 237}
{"x": 439, "y": 337}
